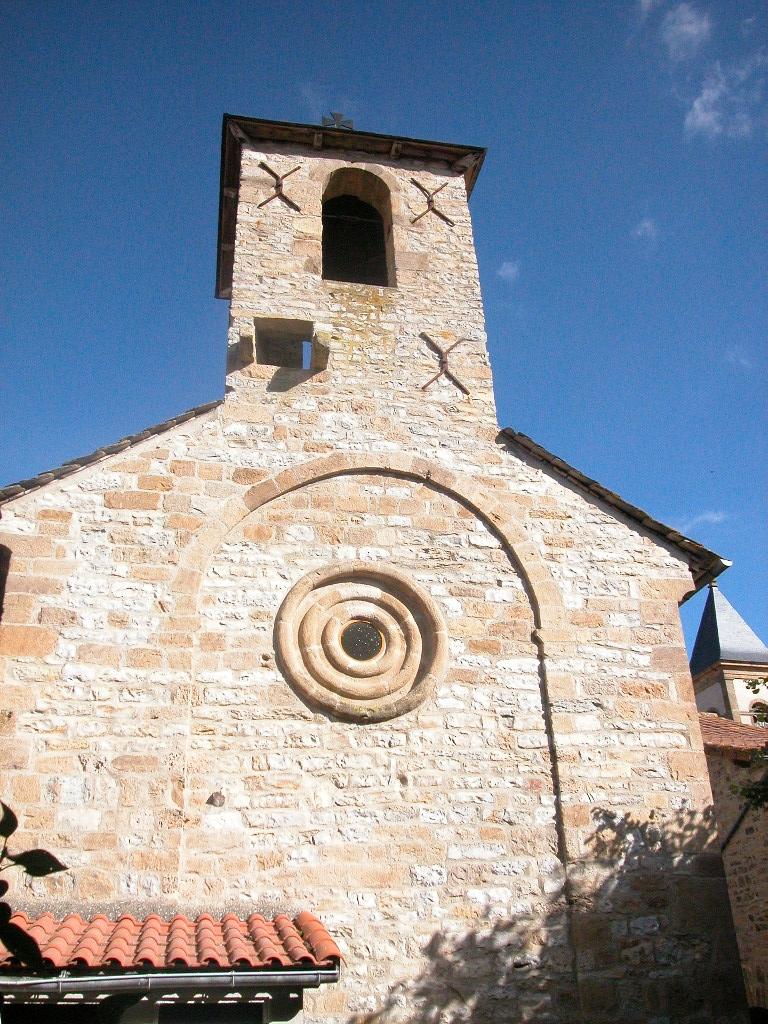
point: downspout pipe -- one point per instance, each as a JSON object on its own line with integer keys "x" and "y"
{"x": 66, "y": 984}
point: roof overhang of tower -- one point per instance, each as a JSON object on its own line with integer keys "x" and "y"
{"x": 238, "y": 131}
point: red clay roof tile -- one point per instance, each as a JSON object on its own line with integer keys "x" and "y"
{"x": 726, "y": 734}
{"x": 179, "y": 943}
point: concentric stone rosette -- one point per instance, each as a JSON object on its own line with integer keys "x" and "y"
{"x": 411, "y": 646}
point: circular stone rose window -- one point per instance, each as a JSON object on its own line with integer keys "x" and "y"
{"x": 362, "y": 642}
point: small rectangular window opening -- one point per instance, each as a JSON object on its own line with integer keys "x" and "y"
{"x": 285, "y": 343}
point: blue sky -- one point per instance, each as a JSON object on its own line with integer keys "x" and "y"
{"x": 619, "y": 221}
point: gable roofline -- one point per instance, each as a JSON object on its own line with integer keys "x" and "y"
{"x": 237, "y": 131}
{"x": 705, "y": 565}
{"x": 22, "y": 487}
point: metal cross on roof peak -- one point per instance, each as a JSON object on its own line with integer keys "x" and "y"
{"x": 337, "y": 120}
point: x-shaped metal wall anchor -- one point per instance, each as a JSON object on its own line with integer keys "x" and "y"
{"x": 430, "y": 197}
{"x": 443, "y": 370}
{"x": 278, "y": 193}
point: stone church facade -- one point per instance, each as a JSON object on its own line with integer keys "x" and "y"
{"x": 337, "y": 643}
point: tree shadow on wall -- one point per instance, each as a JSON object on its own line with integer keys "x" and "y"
{"x": 36, "y": 863}
{"x": 641, "y": 934}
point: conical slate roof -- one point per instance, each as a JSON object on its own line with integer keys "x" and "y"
{"x": 724, "y": 636}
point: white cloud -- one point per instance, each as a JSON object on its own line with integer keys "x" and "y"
{"x": 731, "y": 101}
{"x": 706, "y": 518}
{"x": 646, "y": 234}
{"x": 509, "y": 271}
{"x": 748, "y": 25}
{"x": 315, "y": 100}
{"x": 646, "y": 6}
{"x": 647, "y": 230}
{"x": 684, "y": 31}
{"x": 737, "y": 356}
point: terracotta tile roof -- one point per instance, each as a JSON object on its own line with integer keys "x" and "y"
{"x": 22, "y": 486}
{"x": 729, "y": 735}
{"x": 129, "y": 943}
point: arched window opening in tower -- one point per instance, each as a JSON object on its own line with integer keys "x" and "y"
{"x": 357, "y": 229}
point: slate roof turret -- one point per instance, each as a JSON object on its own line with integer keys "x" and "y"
{"x": 724, "y": 636}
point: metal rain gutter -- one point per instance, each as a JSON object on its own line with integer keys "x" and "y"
{"x": 66, "y": 984}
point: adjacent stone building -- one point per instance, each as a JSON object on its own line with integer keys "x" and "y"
{"x": 732, "y": 750}
{"x": 727, "y": 657}
{"x": 337, "y": 644}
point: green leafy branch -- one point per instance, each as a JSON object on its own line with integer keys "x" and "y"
{"x": 755, "y": 792}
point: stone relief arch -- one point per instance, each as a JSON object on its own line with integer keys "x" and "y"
{"x": 373, "y": 185}
{"x": 546, "y": 601}
{"x": 550, "y": 635}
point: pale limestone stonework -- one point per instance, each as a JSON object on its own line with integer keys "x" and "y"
{"x": 452, "y": 849}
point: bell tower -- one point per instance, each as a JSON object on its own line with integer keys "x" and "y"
{"x": 349, "y": 263}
